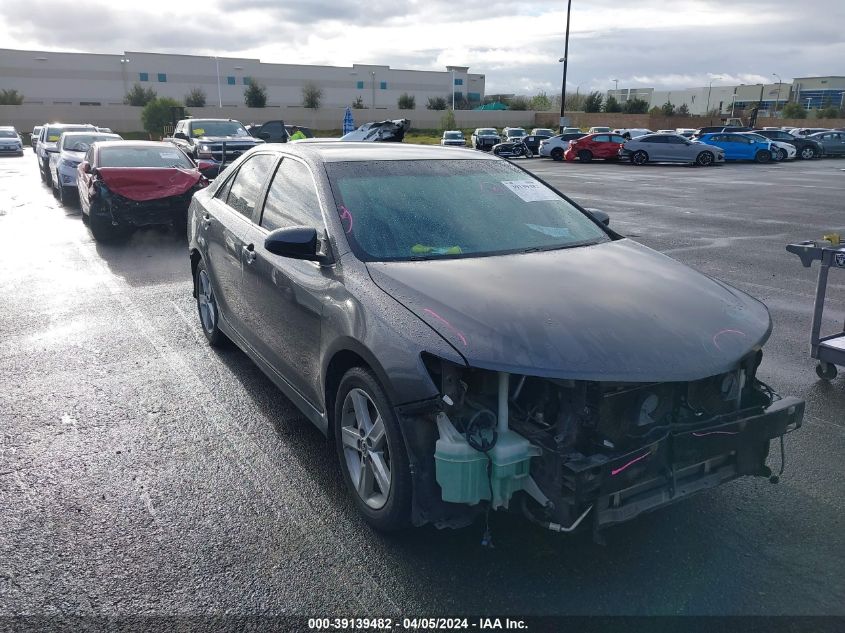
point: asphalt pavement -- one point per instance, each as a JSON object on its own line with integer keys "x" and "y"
{"x": 142, "y": 472}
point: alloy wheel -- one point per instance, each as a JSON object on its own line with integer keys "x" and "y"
{"x": 206, "y": 301}
{"x": 365, "y": 448}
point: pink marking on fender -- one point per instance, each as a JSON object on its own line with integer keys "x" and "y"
{"x": 719, "y": 333}
{"x": 447, "y": 324}
{"x": 631, "y": 463}
{"x": 715, "y": 433}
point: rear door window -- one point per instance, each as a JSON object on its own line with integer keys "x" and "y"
{"x": 248, "y": 183}
{"x": 601, "y": 138}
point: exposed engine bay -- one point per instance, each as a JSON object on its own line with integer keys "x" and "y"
{"x": 562, "y": 450}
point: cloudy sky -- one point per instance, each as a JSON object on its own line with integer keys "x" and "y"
{"x": 661, "y": 43}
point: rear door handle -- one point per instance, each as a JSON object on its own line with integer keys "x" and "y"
{"x": 249, "y": 253}
{"x": 206, "y": 221}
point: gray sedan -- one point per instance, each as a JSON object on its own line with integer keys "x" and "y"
{"x": 833, "y": 142}
{"x": 670, "y": 148}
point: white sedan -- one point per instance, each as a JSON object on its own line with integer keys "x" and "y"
{"x": 781, "y": 150}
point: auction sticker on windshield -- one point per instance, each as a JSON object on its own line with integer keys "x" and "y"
{"x": 530, "y": 190}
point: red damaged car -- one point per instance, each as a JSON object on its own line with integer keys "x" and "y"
{"x": 592, "y": 146}
{"x": 128, "y": 184}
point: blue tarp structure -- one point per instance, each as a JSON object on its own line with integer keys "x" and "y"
{"x": 496, "y": 105}
{"x": 348, "y": 121}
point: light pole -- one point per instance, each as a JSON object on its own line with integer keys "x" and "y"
{"x": 123, "y": 62}
{"x": 733, "y": 103}
{"x": 453, "y": 90}
{"x": 615, "y": 88}
{"x": 373, "y": 74}
{"x": 809, "y": 99}
{"x": 565, "y": 60}
{"x": 219, "y": 90}
{"x": 777, "y": 102}
{"x": 709, "y": 88}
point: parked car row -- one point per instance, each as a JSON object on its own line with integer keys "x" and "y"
{"x": 325, "y": 263}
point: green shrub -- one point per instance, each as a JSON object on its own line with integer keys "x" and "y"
{"x": 157, "y": 113}
{"x": 139, "y": 96}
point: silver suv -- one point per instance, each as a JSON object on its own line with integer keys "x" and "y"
{"x": 48, "y": 140}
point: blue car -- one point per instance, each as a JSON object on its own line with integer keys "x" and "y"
{"x": 740, "y": 146}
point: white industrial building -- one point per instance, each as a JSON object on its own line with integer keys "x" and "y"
{"x": 57, "y": 78}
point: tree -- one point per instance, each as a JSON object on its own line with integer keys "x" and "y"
{"x": 668, "y": 108}
{"x": 311, "y": 96}
{"x": 436, "y": 103}
{"x": 10, "y": 97}
{"x": 593, "y": 102}
{"x": 358, "y": 103}
{"x": 447, "y": 121}
{"x": 635, "y": 106}
{"x": 519, "y": 103}
{"x": 195, "y": 98}
{"x": 612, "y": 105}
{"x": 575, "y": 103}
{"x": 407, "y": 102}
{"x": 830, "y": 112}
{"x": 139, "y": 96}
{"x": 540, "y": 102}
{"x": 655, "y": 111}
{"x": 793, "y": 111}
{"x": 683, "y": 110}
{"x": 157, "y": 113}
{"x": 255, "y": 95}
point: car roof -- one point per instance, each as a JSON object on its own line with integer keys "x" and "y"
{"x": 348, "y": 151}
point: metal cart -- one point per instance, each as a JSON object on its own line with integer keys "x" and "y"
{"x": 829, "y": 350}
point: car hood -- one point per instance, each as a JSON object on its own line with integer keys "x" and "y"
{"x": 75, "y": 157}
{"x": 615, "y": 311}
{"x": 236, "y": 139}
{"x": 148, "y": 183}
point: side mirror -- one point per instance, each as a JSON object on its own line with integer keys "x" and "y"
{"x": 600, "y": 216}
{"x": 85, "y": 166}
{"x": 296, "y": 242}
{"x": 264, "y": 135}
{"x": 204, "y": 165}
{"x": 181, "y": 135}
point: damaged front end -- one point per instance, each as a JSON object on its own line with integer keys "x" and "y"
{"x": 568, "y": 453}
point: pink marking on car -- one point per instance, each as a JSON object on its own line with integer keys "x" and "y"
{"x": 719, "y": 333}
{"x": 345, "y": 216}
{"x": 447, "y": 324}
{"x": 631, "y": 463}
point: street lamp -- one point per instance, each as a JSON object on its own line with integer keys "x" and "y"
{"x": 777, "y": 102}
{"x": 615, "y": 88}
{"x": 219, "y": 90}
{"x": 709, "y": 88}
{"x": 453, "y": 90}
{"x": 809, "y": 99}
{"x": 373, "y": 73}
{"x": 123, "y": 62}
{"x": 733, "y": 103}
{"x": 565, "y": 60}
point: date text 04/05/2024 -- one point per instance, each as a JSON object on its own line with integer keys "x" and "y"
{"x": 410, "y": 624}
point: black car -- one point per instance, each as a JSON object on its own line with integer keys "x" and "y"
{"x": 471, "y": 339}
{"x": 807, "y": 148}
{"x": 533, "y": 142}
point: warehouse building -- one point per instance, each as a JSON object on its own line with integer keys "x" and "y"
{"x": 93, "y": 79}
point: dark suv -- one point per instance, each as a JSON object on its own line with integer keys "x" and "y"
{"x": 807, "y": 147}
{"x": 209, "y": 139}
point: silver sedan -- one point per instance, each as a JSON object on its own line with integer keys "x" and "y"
{"x": 670, "y": 148}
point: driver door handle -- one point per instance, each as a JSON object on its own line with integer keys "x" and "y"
{"x": 206, "y": 221}
{"x": 249, "y": 253}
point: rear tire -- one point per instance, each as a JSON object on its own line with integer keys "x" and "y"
{"x": 826, "y": 371}
{"x": 639, "y": 158}
{"x": 585, "y": 156}
{"x": 781, "y": 154}
{"x": 557, "y": 154}
{"x": 704, "y": 159}
{"x": 369, "y": 452}
{"x": 763, "y": 156}
{"x": 207, "y": 308}
{"x": 808, "y": 153}
{"x": 65, "y": 196}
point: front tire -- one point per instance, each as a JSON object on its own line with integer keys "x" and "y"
{"x": 65, "y": 195}
{"x": 704, "y": 159}
{"x": 826, "y": 371}
{"x": 557, "y": 154}
{"x": 763, "y": 156}
{"x": 585, "y": 156}
{"x": 808, "y": 153}
{"x": 207, "y": 308}
{"x": 371, "y": 451}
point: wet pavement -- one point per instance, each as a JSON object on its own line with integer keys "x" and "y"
{"x": 142, "y": 472}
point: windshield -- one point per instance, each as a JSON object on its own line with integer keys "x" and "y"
{"x": 139, "y": 156}
{"x": 81, "y": 142}
{"x": 55, "y": 133}
{"x": 758, "y": 137}
{"x": 457, "y": 135}
{"x": 427, "y": 209}
{"x": 218, "y": 128}
{"x": 486, "y": 131}
{"x": 7, "y": 134}
{"x": 517, "y": 131}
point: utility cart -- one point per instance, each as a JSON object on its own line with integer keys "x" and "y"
{"x": 830, "y": 349}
